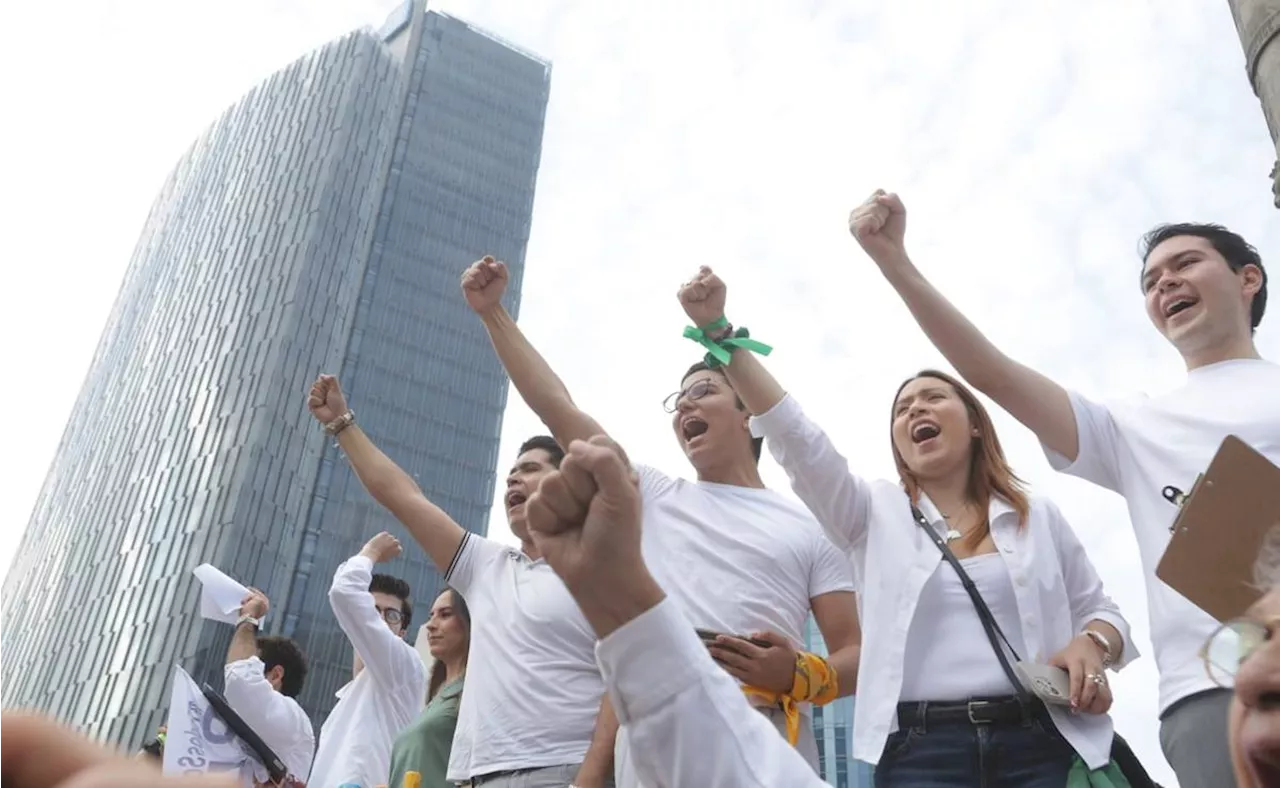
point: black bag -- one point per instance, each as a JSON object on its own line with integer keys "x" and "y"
{"x": 1121, "y": 754}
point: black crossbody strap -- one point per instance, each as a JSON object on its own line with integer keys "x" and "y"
{"x": 994, "y": 634}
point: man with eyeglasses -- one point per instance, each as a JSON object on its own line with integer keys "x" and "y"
{"x": 390, "y": 679}
{"x": 744, "y": 564}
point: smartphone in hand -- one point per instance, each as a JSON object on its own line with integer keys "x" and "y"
{"x": 709, "y": 636}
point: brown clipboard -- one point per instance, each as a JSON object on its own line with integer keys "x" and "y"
{"x": 1220, "y": 529}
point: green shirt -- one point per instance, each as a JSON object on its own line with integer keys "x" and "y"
{"x": 423, "y": 746}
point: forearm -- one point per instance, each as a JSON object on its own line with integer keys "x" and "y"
{"x": 758, "y": 389}
{"x": 973, "y": 355}
{"x": 431, "y": 527}
{"x": 597, "y": 766}
{"x": 244, "y": 643}
{"x": 844, "y": 662}
{"x": 376, "y": 471}
{"x": 538, "y": 385}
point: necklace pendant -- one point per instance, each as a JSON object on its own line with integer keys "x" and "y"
{"x": 953, "y": 535}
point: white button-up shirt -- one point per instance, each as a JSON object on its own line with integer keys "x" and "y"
{"x": 355, "y": 742}
{"x": 1056, "y": 587}
{"x": 688, "y": 721}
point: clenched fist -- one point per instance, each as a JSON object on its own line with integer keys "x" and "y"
{"x": 880, "y": 226}
{"x": 382, "y": 547}
{"x": 326, "y": 401}
{"x": 483, "y": 284}
{"x": 703, "y": 297}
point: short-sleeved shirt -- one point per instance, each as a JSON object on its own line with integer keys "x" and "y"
{"x": 737, "y": 559}
{"x": 1139, "y": 446}
{"x": 533, "y": 688}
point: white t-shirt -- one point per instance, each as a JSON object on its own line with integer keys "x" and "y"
{"x": 1139, "y": 446}
{"x": 737, "y": 559}
{"x": 533, "y": 687}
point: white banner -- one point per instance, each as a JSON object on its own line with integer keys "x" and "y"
{"x": 198, "y": 741}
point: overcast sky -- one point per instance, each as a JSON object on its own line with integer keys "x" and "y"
{"x": 1033, "y": 144}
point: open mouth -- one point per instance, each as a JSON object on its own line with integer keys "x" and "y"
{"x": 692, "y": 427}
{"x": 515, "y": 498}
{"x": 923, "y": 431}
{"x": 1179, "y": 305}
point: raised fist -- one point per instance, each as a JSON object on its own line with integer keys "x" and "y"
{"x": 880, "y": 226}
{"x": 703, "y": 297}
{"x": 254, "y": 604}
{"x": 483, "y": 284}
{"x": 325, "y": 401}
{"x": 382, "y": 547}
{"x": 585, "y": 517}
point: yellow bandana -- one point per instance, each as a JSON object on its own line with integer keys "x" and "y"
{"x": 815, "y": 682}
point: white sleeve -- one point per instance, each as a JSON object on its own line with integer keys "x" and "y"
{"x": 250, "y": 695}
{"x": 830, "y": 571}
{"x": 687, "y": 721}
{"x": 1087, "y": 597}
{"x": 819, "y": 474}
{"x": 390, "y": 660}
{"x": 1098, "y": 457}
{"x": 475, "y": 555}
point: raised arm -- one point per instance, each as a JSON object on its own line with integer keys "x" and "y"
{"x": 541, "y": 389}
{"x": 386, "y": 656}
{"x": 245, "y": 683}
{"x": 1043, "y": 406}
{"x": 819, "y": 474}
{"x": 389, "y": 485}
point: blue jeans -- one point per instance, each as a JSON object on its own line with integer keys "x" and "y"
{"x": 963, "y": 755}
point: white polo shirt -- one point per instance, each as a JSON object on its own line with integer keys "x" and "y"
{"x": 533, "y": 686}
{"x": 1139, "y": 446}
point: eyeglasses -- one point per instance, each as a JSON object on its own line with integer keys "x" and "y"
{"x": 391, "y": 615}
{"x": 697, "y": 391}
{"x": 1229, "y": 646}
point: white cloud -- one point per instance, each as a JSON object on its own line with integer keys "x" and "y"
{"x": 1033, "y": 143}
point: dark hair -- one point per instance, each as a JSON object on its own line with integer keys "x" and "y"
{"x": 460, "y": 610}
{"x": 1234, "y": 249}
{"x": 756, "y": 443}
{"x": 277, "y": 650}
{"x": 154, "y": 749}
{"x": 547, "y": 444}
{"x": 989, "y": 472}
{"x": 394, "y": 586}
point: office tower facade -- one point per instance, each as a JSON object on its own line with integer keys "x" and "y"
{"x": 1258, "y": 23}
{"x": 321, "y": 224}
{"x": 833, "y": 728}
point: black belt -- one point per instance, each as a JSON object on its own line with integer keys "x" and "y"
{"x": 991, "y": 711}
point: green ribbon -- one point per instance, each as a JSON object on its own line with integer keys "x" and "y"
{"x": 721, "y": 353}
{"x": 1109, "y": 776}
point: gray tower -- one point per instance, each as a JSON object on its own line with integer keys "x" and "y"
{"x": 1258, "y": 22}
{"x": 320, "y": 224}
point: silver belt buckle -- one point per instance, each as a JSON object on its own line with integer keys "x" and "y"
{"x": 977, "y": 704}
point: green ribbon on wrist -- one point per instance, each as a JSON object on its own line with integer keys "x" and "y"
{"x": 720, "y": 352}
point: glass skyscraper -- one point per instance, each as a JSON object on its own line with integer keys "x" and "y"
{"x": 833, "y": 728}
{"x": 320, "y": 224}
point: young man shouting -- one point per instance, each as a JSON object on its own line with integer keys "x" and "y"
{"x": 739, "y": 559}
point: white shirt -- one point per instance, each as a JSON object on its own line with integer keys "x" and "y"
{"x": 948, "y": 655}
{"x": 276, "y": 718}
{"x": 1056, "y": 587}
{"x": 1141, "y": 445}
{"x": 355, "y": 742}
{"x": 737, "y": 559}
{"x": 532, "y": 701}
{"x": 690, "y": 724}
